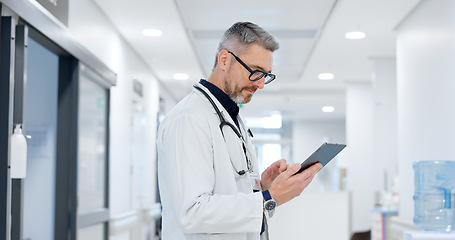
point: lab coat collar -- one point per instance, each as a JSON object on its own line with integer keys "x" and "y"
{"x": 222, "y": 97}
{"x": 223, "y": 111}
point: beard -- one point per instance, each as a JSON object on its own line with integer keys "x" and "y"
{"x": 236, "y": 93}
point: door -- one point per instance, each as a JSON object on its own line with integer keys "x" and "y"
{"x": 43, "y": 202}
{"x": 62, "y": 109}
{"x": 29, "y": 198}
{"x": 92, "y": 190}
{"x": 64, "y": 116}
{"x": 66, "y": 120}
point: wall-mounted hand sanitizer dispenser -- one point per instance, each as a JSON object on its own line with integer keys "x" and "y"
{"x": 18, "y": 153}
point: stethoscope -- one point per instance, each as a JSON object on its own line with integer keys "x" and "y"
{"x": 234, "y": 128}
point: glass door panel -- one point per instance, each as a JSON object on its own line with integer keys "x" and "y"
{"x": 92, "y": 145}
{"x": 92, "y": 158}
{"x": 40, "y": 121}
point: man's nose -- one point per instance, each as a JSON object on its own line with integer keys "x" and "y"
{"x": 260, "y": 83}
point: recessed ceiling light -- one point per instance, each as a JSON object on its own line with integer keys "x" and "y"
{"x": 181, "y": 76}
{"x": 355, "y": 35}
{"x": 326, "y": 76}
{"x": 328, "y": 109}
{"x": 152, "y": 32}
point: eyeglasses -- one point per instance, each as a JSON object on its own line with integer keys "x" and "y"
{"x": 256, "y": 74}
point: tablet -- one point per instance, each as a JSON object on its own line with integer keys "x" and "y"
{"x": 325, "y": 153}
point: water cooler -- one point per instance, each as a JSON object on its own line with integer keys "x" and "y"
{"x": 434, "y": 201}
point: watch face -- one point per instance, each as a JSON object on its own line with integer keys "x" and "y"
{"x": 270, "y": 205}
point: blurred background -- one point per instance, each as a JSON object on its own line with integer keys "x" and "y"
{"x": 89, "y": 81}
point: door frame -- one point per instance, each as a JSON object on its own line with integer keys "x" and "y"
{"x": 6, "y": 120}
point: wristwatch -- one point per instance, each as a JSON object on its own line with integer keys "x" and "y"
{"x": 269, "y": 203}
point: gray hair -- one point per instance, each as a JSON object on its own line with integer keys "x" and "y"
{"x": 241, "y": 34}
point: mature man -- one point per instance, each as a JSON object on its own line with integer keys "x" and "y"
{"x": 207, "y": 167}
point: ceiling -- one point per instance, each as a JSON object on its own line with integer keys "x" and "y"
{"x": 310, "y": 33}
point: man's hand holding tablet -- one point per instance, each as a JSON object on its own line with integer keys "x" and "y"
{"x": 323, "y": 155}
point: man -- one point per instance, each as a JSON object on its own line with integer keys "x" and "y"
{"x": 207, "y": 167}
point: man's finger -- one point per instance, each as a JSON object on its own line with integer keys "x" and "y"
{"x": 312, "y": 170}
{"x": 317, "y": 167}
{"x": 283, "y": 165}
{"x": 292, "y": 169}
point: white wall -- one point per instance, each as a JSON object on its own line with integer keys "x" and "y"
{"x": 426, "y": 116}
{"x": 312, "y": 216}
{"x": 90, "y": 27}
{"x": 359, "y": 152}
{"x": 385, "y": 119}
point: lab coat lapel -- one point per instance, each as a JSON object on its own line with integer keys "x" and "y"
{"x": 223, "y": 111}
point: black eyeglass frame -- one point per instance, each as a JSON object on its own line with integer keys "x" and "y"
{"x": 252, "y": 72}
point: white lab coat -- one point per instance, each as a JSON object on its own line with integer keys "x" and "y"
{"x": 203, "y": 196}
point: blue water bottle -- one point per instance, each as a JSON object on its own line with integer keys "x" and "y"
{"x": 434, "y": 196}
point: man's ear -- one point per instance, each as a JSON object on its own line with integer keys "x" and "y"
{"x": 224, "y": 58}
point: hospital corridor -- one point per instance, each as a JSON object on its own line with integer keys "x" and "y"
{"x": 190, "y": 119}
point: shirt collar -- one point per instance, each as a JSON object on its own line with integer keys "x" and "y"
{"x": 222, "y": 97}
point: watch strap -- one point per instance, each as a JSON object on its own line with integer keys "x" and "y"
{"x": 266, "y": 195}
